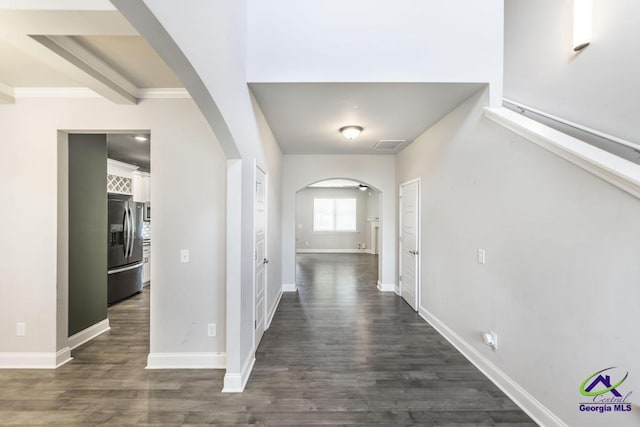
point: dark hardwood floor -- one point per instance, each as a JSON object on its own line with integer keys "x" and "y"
{"x": 338, "y": 352}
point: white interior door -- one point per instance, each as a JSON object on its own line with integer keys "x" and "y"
{"x": 261, "y": 261}
{"x": 409, "y": 242}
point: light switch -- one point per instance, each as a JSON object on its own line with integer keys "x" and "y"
{"x": 481, "y": 256}
{"x": 184, "y": 255}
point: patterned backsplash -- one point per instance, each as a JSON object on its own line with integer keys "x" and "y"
{"x": 146, "y": 230}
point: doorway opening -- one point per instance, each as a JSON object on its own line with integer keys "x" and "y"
{"x": 104, "y": 237}
{"x": 337, "y": 226}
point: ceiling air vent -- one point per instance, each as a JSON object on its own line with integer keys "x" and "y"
{"x": 389, "y": 144}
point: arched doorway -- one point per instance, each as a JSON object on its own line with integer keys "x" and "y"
{"x": 337, "y": 220}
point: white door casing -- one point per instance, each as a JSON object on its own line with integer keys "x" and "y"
{"x": 410, "y": 242}
{"x": 260, "y": 255}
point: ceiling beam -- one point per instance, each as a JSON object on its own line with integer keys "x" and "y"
{"x": 68, "y": 56}
{"x": 6, "y": 94}
{"x": 108, "y": 82}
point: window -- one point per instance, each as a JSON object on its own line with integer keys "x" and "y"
{"x": 334, "y": 214}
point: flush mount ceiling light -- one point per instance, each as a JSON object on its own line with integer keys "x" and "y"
{"x": 140, "y": 138}
{"x": 351, "y": 132}
{"x": 582, "y": 18}
{"x": 363, "y": 187}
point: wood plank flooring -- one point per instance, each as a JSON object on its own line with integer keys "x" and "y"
{"x": 337, "y": 353}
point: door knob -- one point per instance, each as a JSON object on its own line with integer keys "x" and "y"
{"x": 412, "y": 252}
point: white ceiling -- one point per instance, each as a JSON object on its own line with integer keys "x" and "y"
{"x": 305, "y": 117}
{"x": 98, "y": 49}
{"x": 134, "y": 59}
{"x": 94, "y": 48}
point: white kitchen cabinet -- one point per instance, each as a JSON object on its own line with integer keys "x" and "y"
{"x": 147, "y": 187}
{"x": 141, "y": 187}
{"x": 146, "y": 258}
{"x": 120, "y": 177}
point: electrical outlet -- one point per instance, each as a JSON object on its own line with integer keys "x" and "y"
{"x": 482, "y": 256}
{"x": 21, "y": 329}
{"x": 184, "y": 255}
{"x": 491, "y": 339}
{"x": 211, "y": 329}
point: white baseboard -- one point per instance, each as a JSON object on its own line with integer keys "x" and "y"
{"x": 88, "y": 334}
{"x": 35, "y": 360}
{"x": 331, "y": 251}
{"x": 386, "y": 287}
{"x": 529, "y": 404}
{"x": 63, "y": 356}
{"x": 235, "y": 383}
{"x": 272, "y": 312}
{"x": 289, "y": 287}
{"x": 186, "y": 361}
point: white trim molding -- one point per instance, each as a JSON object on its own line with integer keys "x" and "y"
{"x": 613, "y": 169}
{"x": 163, "y": 93}
{"x": 63, "y": 356}
{"x": 235, "y": 383}
{"x": 529, "y": 404}
{"x": 55, "y": 92}
{"x": 35, "y": 360}
{"x": 386, "y": 287}
{"x": 88, "y": 334}
{"x": 331, "y": 251}
{"x": 289, "y": 287}
{"x": 272, "y": 312}
{"x": 186, "y": 361}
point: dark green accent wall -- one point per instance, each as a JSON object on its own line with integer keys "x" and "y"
{"x": 87, "y": 231}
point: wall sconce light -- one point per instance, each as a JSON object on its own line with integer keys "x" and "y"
{"x": 363, "y": 187}
{"x": 582, "y": 20}
{"x": 351, "y": 132}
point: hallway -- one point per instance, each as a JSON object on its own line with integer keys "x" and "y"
{"x": 337, "y": 352}
{"x": 341, "y": 352}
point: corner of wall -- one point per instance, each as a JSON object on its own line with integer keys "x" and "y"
{"x": 236, "y": 382}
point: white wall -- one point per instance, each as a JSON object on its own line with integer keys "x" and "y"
{"x": 189, "y": 172}
{"x": 272, "y": 162}
{"x": 221, "y": 69}
{"x": 373, "y": 209}
{"x": 375, "y": 41}
{"x": 560, "y": 282}
{"x": 596, "y": 87}
{"x": 307, "y": 239}
{"x": 378, "y": 171}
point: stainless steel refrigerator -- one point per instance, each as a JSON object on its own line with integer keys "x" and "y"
{"x": 125, "y": 266}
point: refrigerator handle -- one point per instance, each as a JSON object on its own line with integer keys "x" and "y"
{"x": 132, "y": 218}
{"x": 126, "y": 232}
{"x": 130, "y": 252}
